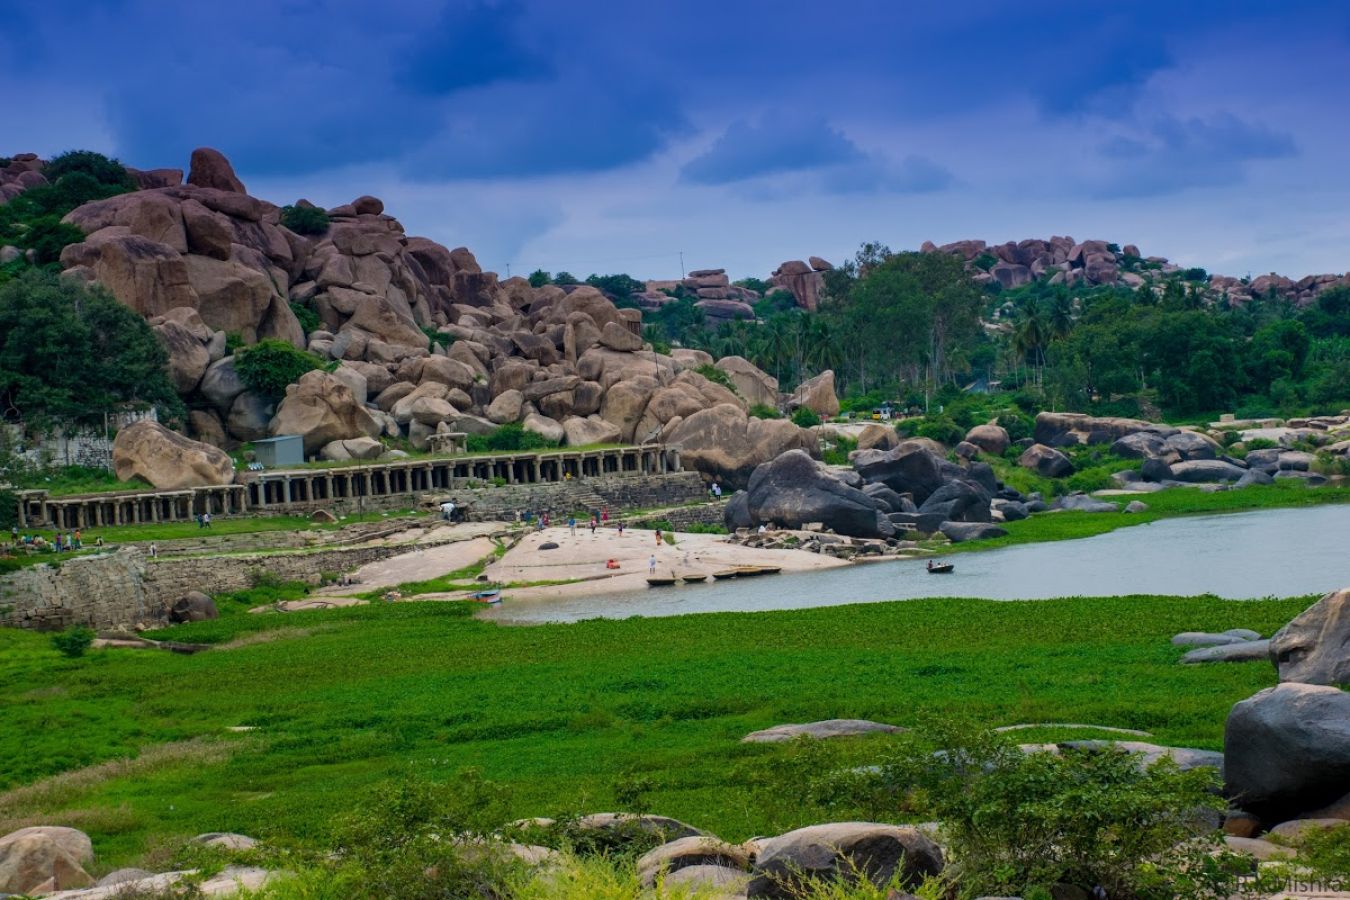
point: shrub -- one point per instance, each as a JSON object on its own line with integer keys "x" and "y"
{"x": 941, "y": 429}
{"x": 1018, "y": 425}
{"x": 805, "y": 417}
{"x": 509, "y": 438}
{"x": 309, "y": 220}
{"x": 105, "y": 171}
{"x": 270, "y": 365}
{"x": 758, "y": 285}
{"x": 1259, "y": 444}
{"x": 717, "y": 376}
{"x": 763, "y": 411}
{"x": 307, "y": 317}
{"x": 837, "y": 455}
{"x": 564, "y": 278}
{"x": 539, "y": 278}
{"x": 73, "y": 641}
{"x": 705, "y": 528}
{"x": 48, "y": 236}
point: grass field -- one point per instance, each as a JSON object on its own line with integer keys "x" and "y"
{"x": 135, "y": 747}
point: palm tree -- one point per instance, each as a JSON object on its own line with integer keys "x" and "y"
{"x": 1030, "y": 337}
{"x": 1061, "y": 317}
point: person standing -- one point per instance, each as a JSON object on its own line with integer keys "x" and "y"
{"x": 658, "y": 537}
{"x": 651, "y": 564}
{"x": 154, "y": 550}
{"x": 572, "y": 525}
{"x": 206, "y": 520}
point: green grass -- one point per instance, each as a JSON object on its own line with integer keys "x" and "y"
{"x": 1058, "y": 526}
{"x": 563, "y": 715}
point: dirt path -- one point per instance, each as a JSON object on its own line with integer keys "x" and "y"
{"x": 416, "y": 565}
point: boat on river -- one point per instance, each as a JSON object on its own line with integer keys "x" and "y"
{"x": 941, "y": 568}
{"x": 491, "y": 596}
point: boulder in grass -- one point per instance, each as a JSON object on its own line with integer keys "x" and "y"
{"x": 1241, "y": 651}
{"x": 43, "y": 859}
{"x": 841, "y": 851}
{"x": 958, "y": 532}
{"x": 827, "y": 728}
{"x": 1045, "y": 461}
{"x": 685, "y": 852}
{"x": 167, "y": 460}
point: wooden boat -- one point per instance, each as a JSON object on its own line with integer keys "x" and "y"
{"x": 490, "y": 596}
{"x": 752, "y": 571}
{"x": 726, "y": 573}
{"x": 941, "y": 568}
{"x": 693, "y": 577}
{"x": 660, "y": 580}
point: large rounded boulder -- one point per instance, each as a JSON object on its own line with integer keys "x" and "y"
{"x": 1287, "y": 750}
{"x": 1314, "y": 648}
{"x": 322, "y": 409}
{"x": 906, "y": 469}
{"x": 168, "y": 460}
{"x": 1047, "y": 461}
{"x": 724, "y": 443}
{"x": 793, "y": 490}
{"x": 843, "y": 851}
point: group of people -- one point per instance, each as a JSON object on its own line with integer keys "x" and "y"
{"x": 60, "y": 542}
{"x": 203, "y": 520}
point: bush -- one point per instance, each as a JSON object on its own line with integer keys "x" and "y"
{"x": 805, "y": 417}
{"x": 1018, "y": 823}
{"x": 74, "y": 641}
{"x": 307, "y": 317}
{"x": 309, "y": 220}
{"x": 538, "y": 278}
{"x": 509, "y": 438}
{"x": 48, "y": 236}
{"x": 837, "y": 455}
{"x": 565, "y": 278}
{"x": 100, "y": 168}
{"x": 940, "y": 428}
{"x": 620, "y": 285}
{"x": 1018, "y": 425}
{"x": 762, "y": 411}
{"x": 717, "y": 376}
{"x": 270, "y": 365}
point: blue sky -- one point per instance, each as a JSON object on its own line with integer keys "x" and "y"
{"x": 608, "y": 136}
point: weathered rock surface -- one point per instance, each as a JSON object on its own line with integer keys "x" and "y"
{"x": 724, "y": 443}
{"x": 1287, "y": 750}
{"x": 754, "y": 385}
{"x": 836, "y": 851}
{"x": 817, "y": 394}
{"x": 690, "y": 851}
{"x": 1242, "y": 651}
{"x": 166, "y": 459}
{"x": 992, "y": 439}
{"x": 41, "y": 859}
{"x": 792, "y": 490}
{"x": 1045, "y": 460}
{"x": 1314, "y": 648}
{"x": 322, "y": 409}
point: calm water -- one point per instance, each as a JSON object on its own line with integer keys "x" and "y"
{"x": 1269, "y": 553}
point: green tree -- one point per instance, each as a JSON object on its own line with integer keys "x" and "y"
{"x": 270, "y": 365}
{"x": 539, "y": 278}
{"x": 69, "y": 353}
{"x": 309, "y": 220}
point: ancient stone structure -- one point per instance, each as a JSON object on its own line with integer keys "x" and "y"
{"x": 372, "y": 485}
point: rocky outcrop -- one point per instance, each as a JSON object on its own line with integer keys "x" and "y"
{"x": 803, "y": 280}
{"x": 1065, "y": 429}
{"x": 827, "y": 728}
{"x": 1287, "y": 750}
{"x": 757, "y": 387}
{"x": 816, "y": 394}
{"x": 724, "y": 443}
{"x": 1045, "y": 461}
{"x": 322, "y": 409}
{"x": 166, "y": 459}
{"x": 793, "y": 491}
{"x": 1314, "y": 648}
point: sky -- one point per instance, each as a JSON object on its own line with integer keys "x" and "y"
{"x": 653, "y": 137}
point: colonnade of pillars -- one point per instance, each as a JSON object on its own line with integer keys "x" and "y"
{"x": 36, "y": 508}
{"x": 311, "y": 486}
{"x": 308, "y": 486}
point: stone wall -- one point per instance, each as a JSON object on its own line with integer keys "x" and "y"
{"x": 561, "y": 498}
{"x": 127, "y": 587}
{"x": 103, "y": 590}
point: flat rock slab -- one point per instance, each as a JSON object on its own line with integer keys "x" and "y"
{"x": 827, "y": 728}
{"x": 1108, "y": 728}
{"x": 1244, "y": 651}
{"x": 1186, "y": 758}
{"x": 1206, "y": 639}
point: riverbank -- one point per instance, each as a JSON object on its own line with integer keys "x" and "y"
{"x": 596, "y": 715}
{"x": 1165, "y": 504}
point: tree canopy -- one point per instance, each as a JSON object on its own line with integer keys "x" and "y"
{"x": 69, "y": 353}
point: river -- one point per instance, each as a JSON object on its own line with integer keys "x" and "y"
{"x": 1281, "y": 553}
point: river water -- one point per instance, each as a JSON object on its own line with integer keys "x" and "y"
{"x": 1280, "y": 553}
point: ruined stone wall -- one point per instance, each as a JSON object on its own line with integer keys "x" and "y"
{"x": 93, "y": 590}
{"x": 128, "y": 588}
